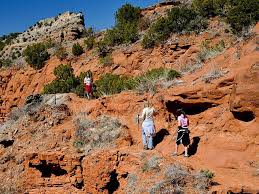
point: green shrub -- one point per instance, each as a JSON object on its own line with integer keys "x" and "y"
{"x": 204, "y": 7}
{"x": 65, "y": 81}
{"x": 2, "y": 45}
{"x": 155, "y": 73}
{"x": 113, "y": 37}
{"x": 161, "y": 72}
{"x": 126, "y": 26}
{"x": 77, "y": 49}
{"x": 242, "y": 14}
{"x": 36, "y": 55}
{"x": 127, "y": 14}
{"x": 56, "y": 86}
{"x": 172, "y": 74}
{"x": 128, "y": 33}
{"x": 109, "y": 84}
{"x": 178, "y": 20}
{"x": 207, "y": 173}
{"x": 63, "y": 72}
{"x": 5, "y": 63}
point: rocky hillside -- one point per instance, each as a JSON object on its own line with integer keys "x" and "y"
{"x": 66, "y": 144}
{"x": 64, "y": 27}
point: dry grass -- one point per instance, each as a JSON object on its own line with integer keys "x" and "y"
{"x": 4, "y": 189}
{"x": 131, "y": 184}
{"x": 151, "y": 164}
{"x": 212, "y": 75}
{"x": 209, "y": 51}
{"x": 191, "y": 68}
{"x": 147, "y": 84}
{"x": 181, "y": 180}
{"x": 97, "y": 134}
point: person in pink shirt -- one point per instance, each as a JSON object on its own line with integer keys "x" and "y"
{"x": 182, "y": 133}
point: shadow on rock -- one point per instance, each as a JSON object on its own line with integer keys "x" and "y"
{"x": 160, "y": 135}
{"x": 193, "y": 147}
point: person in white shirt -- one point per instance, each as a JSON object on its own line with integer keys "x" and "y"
{"x": 148, "y": 126}
{"x": 88, "y": 86}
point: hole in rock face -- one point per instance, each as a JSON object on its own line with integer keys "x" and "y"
{"x": 189, "y": 108}
{"x": 113, "y": 184}
{"x": 47, "y": 169}
{"x": 79, "y": 185}
{"x": 7, "y": 143}
{"x": 245, "y": 116}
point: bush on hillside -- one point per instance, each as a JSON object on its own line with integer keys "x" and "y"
{"x": 2, "y": 45}
{"x": 127, "y": 14}
{"x": 172, "y": 74}
{"x": 77, "y": 49}
{"x": 158, "y": 73}
{"x": 36, "y": 55}
{"x": 65, "y": 81}
{"x": 5, "y": 63}
{"x": 122, "y": 35}
{"x": 63, "y": 72}
{"x": 242, "y": 14}
{"x": 178, "y": 20}
{"x": 109, "y": 84}
{"x": 126, "y": 26}
{"x": 204, "y": 7}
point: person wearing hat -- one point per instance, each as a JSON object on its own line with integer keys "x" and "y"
{"x": 182, "y": 133}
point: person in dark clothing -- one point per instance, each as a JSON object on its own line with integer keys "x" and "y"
{"x": 182, "y": 133}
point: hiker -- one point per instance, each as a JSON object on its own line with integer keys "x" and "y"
{"x": 88, "y": 82}
{"x": 148, "y": 126}
{"x": 182, "y": 133}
